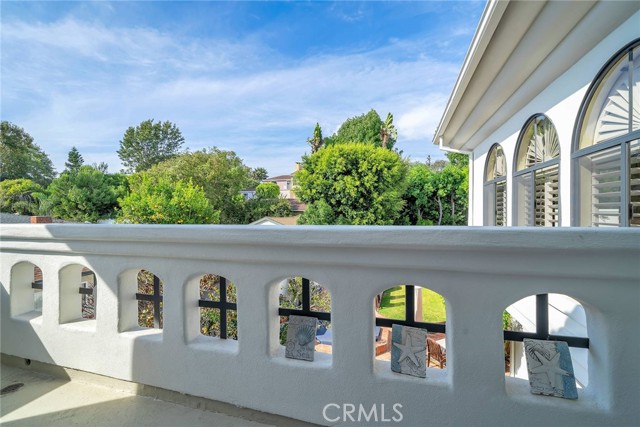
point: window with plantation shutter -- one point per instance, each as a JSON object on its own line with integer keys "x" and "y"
{"x": 607, "y": 145}
{"x": 495, "y": 188}
{"x": 537, "y": 174}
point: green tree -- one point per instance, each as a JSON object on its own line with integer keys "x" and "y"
{"x": 221, "y": 174}
{"x": 438, "y": 193}
{"x": 149, "y": 143}
{"x": 388, "y": 132}
{"x": 266, "y": 203}
{"x": 85, "y": 195}
{"x": 353, "y": 183}
{"x": 74, "y": 160}
{"x": 161, "y": 200}
{"x": 259, "y": 174}
{"x": 366, "y": 128}
{"x": 102, "y": 167}
{"x": 419, "y": 203}
{"x": 268, "y": 190}
{"x": 316, "y": 141}
{"x": 19, "y": 196}
{"x": 20, "y": 157}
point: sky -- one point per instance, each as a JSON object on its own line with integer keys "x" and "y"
{"x": 250, "y": 77}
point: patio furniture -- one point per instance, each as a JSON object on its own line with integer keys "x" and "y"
{"x": 434, "y": 352}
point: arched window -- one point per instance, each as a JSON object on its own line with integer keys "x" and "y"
{"x": 536, "y": 176}
{"x": 495, "y": 187}
{"x": 607, "y": 145}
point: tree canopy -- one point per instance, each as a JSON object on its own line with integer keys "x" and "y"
{"x": 353, "y": 183}
{"x": 162, "y": 200}
{"x": 368, "y": 129}
{"x": 437, "y": 193}
{"x": 268, "y": 190}
{"x": 221, "y": 175}
{"x": 149, "y": 143}
{"x": 74, "y": 160}
{"x": 20, "y": 157}
{"x": 84, "y": 195}
{"x": 19, "y": 196}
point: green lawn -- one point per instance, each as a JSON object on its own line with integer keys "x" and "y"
{"x": 393, "y": 305}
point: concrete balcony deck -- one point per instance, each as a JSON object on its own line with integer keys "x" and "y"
{"x": 478, "y": 271}
{"x": 58, "y": 397}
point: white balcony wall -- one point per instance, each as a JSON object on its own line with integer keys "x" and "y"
{"x": 479, "y": 272}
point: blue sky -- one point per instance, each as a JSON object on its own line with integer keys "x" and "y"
{"x": 252, "y": 77}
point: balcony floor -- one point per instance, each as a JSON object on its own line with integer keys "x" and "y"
{"x": 55, "y": 401}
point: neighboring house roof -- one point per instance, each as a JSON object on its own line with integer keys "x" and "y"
{"x": 297, "y": 206}
{"x": 279, "y": 178}
{"x": 518, "y": 50}
{"x": 9, "y": 218}
{"x": 275, "y": 220}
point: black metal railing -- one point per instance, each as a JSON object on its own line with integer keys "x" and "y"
{"x": 223, "y": 305}
{"x": 542, "y": 327}
{"x": 155, "y": 298}
{"x": 306, "y": 305}
{"x": 409, "y": 316}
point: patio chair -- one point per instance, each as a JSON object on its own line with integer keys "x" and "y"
{"x": 434, "y": 352}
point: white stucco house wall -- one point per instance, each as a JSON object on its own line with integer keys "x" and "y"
{"x": 547, "y": 106}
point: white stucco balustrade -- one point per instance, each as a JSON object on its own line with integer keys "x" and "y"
{"x": 479, "y": 271}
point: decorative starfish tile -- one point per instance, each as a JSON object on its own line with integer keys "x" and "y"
{"x": 409, "y": 350}
{"x": 550, "y": 368}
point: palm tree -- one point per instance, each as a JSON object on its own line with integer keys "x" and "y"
{"x": 388, "y": 130}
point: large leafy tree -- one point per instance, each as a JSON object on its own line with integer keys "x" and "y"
{"x": 353, "y": 183}
{"x": 368, "y": 129}
{"x": 20, "y": 157}
{"x": 149, "y": 143}
{"x": 85, "y": 195}
{"x": 74, "y": 160}
{"x": 162, "y": 200}
{"x": 221, "y": 175}
{"x": 19, "y": 196}
{"x": 437, "y": 193}
{"x": 419, "y": 203}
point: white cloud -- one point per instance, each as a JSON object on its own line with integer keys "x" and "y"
{"x": 76, "y": 83}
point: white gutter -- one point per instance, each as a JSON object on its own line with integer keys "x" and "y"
{"x": 452, "y": 150}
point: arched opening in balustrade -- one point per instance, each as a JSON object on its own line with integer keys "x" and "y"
{"x": 554, "y": 317}
{"x": 140, "y": 293}
{"x": 412, "y": 306}
{"x": 218, "y": 307}
{"x": 78, "y": 293}
{"x": 26, "y": 290}
{"x": 300, "y": 296}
